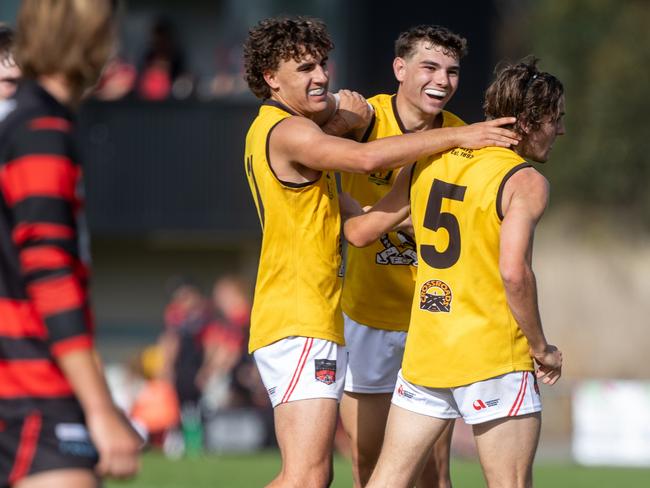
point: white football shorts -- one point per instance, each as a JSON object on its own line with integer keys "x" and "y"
{"x": 300, "y": 368}
{"x": 508, "y": 395}
{"x": 374, "y": 357}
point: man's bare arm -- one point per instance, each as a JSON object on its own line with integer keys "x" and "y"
{"x": 299, "y": 141}
{"x": 365, "y": 228}
{"x": 524, "y": 200}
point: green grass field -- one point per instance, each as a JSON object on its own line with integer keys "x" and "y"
{"x": 252, "y": 471}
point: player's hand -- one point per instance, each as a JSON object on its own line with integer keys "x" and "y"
{"x": 354, "y": 110}
{"x": 488, "y": 133}
{"x": 352, "y": 116}
{"x": 406, "y": 226}
{"x": 117, "y": 443}
{"x": 549, "y": 361}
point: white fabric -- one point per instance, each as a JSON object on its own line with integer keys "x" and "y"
{"x": 374, "y": 357}
{"x": 509, "y": 395}
{"x": 299, "y": 368}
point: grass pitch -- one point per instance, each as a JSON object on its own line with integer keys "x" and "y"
{"x": 255, "y": 470}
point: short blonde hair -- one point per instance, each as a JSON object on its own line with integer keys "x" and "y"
{"x": 73, "y": 38}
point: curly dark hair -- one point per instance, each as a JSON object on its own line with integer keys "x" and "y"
{"x": 451, "y": 44}
{"x": 279, "y": 39}
{"x": 521, "y": 90}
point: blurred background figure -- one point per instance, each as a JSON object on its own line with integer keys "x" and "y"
{"x": 186, "y": 362}
{"x": 9, "y": 70}
{"x": 162, "y": 65}
{"x": 117, "y": 81}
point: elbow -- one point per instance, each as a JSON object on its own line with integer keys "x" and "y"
{"x": 354, "y": 236}
{"x": 515, "y": 276}
{"x": 368, "y": 159}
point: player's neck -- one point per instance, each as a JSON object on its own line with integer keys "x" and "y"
{"x": 413, "y": 119}
{"x": 57, "y": 86}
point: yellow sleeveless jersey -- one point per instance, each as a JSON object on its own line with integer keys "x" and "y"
{"x": 462, "y": 330}
{"x": 298, "y": 286}
{"x": 378, "y": 286}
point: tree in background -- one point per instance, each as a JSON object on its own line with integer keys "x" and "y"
{"x": 601, "y": 51}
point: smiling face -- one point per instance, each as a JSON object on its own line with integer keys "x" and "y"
{"x": 428, "y": 78}
{"x": 300, "y": 85}
{"x": 537, "y": 144}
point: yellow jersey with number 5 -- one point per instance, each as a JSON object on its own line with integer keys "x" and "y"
{"x": 378, "y": 286}
{"x": 462, "y": 330}
{"x": 298, "y": 286}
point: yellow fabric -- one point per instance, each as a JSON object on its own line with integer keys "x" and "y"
{"x": 298, "y": 286}
{"x": 378, "y": 286}
{"x": 468, "y": 333}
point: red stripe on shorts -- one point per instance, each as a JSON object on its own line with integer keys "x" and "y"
{"x": 520, "y": 396}
{"x": 26, "y": 447}
{"x": 298, "y": 371}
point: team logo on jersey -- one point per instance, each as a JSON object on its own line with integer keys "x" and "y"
{"x": 435, "y": 296}
{"x": 326, "y": 370}
{"x": 403, "y": 253}
{"x": 380, "y": 178}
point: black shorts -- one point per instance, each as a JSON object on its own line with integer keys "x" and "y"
{"x": 42, "y": 435}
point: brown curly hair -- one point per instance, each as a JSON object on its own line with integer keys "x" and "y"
{"x": 280, "y": 39}
{"x": 521, "y": 90}
{"x": 451, "y": 44}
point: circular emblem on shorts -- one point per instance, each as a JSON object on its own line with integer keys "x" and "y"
{"x": 435, "y": 296}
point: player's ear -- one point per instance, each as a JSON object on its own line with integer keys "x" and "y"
{"x": 271, "y": 79}
{"x": 399, "y": 68}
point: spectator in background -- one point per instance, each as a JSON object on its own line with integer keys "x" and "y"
{"x": 231, "y": 298}
{"x": 117, "y": 81}
{"x": 162, "y": 64}
{"x": 188, "y": 348}
{"x": 9, "y": 70}
{"x": 60, "y": 427}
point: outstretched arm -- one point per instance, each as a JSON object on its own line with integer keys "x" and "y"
{"x": 524, "y": 200}
{"x": 299, "y": 141}
{"x": 365, "y": 228}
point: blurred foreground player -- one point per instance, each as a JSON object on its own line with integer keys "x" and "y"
{"x": 58, "y": 424}
{"x": 475, "y": 328}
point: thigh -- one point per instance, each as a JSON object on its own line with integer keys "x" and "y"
{"x": 436, "y": 470}
{"x": 61, "y": 478}
{"x": 364, "y": 418}
{"x": 374, "y": 357}
{"x": 305, "y": 432}
{"x": 407, "y": 443}
{"x": 506, "y": 449}
{"x": 301, "y": 368}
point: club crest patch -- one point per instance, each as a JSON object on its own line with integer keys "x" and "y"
{"x": 435, "y": 296}
{"x": 402, "y": 253}
{"x": 326, "y": 370}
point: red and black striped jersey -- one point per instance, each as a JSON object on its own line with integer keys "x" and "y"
{"x": 44, "y": 309}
